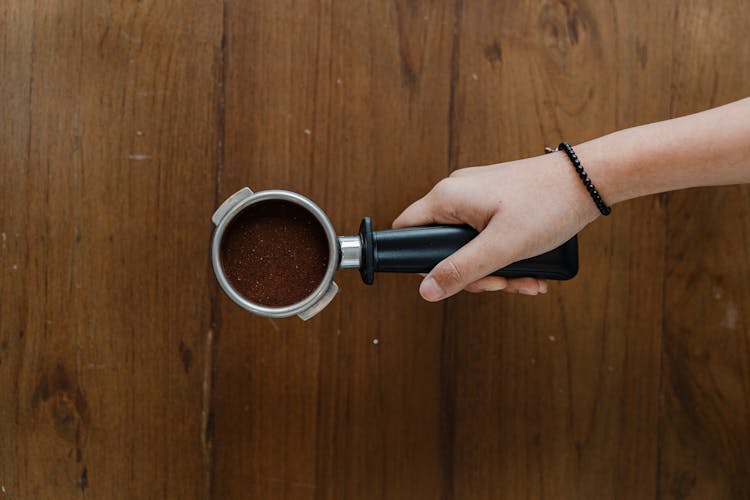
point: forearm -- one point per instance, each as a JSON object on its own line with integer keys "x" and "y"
{"x": 710, "y": 148}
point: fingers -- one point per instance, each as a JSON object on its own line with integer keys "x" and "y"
{"x": 449, "y": 202}
{"x": 435, "y": 206}
{"x": 524, "y": 286}
{"x": 487, "y": 284}
{"x": 465, "y": 266}
{"x": 527, "y": 286}
{"x": 419, "y": 213}
{"x": 445, "y": 204}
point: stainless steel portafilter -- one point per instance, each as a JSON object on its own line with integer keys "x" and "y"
{"x": 408, "y": 250}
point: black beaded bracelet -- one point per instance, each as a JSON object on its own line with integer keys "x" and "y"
{"x": 603, "y": 208}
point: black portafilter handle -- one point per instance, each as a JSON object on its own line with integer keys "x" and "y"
{"x": 419, "y": 249}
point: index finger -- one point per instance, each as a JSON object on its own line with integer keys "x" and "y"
{"x": 419, "y": 213}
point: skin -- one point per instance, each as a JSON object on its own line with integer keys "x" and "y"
{"x": 526, "y": 207}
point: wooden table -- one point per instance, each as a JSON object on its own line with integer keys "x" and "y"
{"x": 125, "y": 373}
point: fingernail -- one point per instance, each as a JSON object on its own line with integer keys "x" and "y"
{"x": 523, "y": 291}
{"x": 495, "y": 287}
{"x": 543, "y": 287}
{"x": 430, "y": 290}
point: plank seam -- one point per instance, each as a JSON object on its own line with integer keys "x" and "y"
{"x": 447, "y": 369}
{"x": 209, "y": 374}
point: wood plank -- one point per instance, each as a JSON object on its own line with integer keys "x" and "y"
{"x": 556, "y": 396}
{"x": 352, "y": 110}
{"x": 105, "y": 275}
{"x": 15, "y": 68}
{"x": 705, "y": 414}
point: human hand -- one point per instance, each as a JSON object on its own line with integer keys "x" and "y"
{"x": 521, "y": 209}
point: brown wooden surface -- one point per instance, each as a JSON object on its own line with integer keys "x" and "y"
{"x": 125, "y": 373}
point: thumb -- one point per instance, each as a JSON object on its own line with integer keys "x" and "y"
{"x": 473, "y": 261}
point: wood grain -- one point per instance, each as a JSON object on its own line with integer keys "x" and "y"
{"x": 108, "y": 175}
{"x": 705, "y": 414}
{"x": 125, "y": 373}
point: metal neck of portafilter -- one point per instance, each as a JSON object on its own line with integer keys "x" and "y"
{"x": 351, "y": 252}
{"x": 406, "y": 250}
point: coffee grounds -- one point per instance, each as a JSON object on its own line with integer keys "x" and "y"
{"x": 275, "y": 253}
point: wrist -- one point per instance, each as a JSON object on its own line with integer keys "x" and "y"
{"x": 609, "y": 165}
{"x": 637, "y": 162}
{"x": 562, "y": 177}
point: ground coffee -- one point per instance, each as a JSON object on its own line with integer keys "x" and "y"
{"x": 275, "y": 253}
